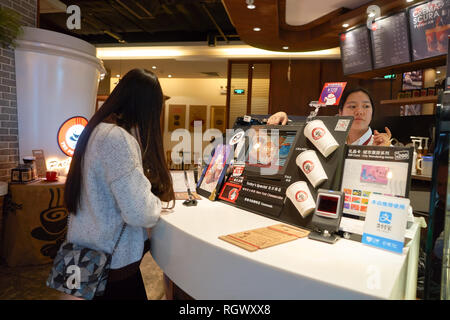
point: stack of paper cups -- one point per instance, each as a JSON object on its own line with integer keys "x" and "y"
{"x": 301, "y": 197}
{"x": 320, "y": 137}
{"x": 309, "y": 163}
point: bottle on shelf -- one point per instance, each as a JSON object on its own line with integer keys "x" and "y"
{"x": 419, "y": 156}
{"x": 414, "y": 162}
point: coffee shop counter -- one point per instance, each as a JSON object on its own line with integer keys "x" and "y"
{"x": 186, "y": 246}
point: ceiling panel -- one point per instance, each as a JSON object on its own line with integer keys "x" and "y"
{"x": 300, "y": 12}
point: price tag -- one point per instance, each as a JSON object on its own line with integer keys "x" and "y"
{"x": 385, "y": 223}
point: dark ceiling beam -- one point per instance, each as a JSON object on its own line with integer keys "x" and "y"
{"x": 126, "y": 15}
{"x": 104, "y": 30}
{"x": 215, "y": 23}
{"x": 149, "y": 15}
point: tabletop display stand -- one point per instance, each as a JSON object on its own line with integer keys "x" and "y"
{"x": 266, "y": 195}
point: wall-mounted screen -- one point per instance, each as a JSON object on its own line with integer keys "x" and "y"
{"x": 429, "y": 25}
{"x": 390, "y": 41}
{"x": 355, "y": 51}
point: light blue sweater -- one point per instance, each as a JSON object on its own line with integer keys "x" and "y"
{"x": 114, "y": 189}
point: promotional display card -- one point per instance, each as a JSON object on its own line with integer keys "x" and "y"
{"x": 332, "y": 92}
{"x": 374, "y": 170}
{"x": 385, "y": 223}
{"x": 262, "y": 238}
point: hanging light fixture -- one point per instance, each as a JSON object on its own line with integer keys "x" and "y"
{"x": 250, "y": 4}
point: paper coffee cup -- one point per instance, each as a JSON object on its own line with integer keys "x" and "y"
{"x": 309, "y": 163}
{"x": 301, "y": 197}
{"x": 320, "y": 137}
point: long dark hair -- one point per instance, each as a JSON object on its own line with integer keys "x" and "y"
{"x": 348, "y": 92}
{"x": 136, "y": 102}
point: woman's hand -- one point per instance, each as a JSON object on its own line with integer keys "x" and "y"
{"x": 382, "y": 139}
{"x": 278, "y": 118}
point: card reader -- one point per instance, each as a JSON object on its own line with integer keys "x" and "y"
{"x": 327, "y": 215}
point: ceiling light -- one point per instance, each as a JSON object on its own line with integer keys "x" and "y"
{"x": 154, "y": 67}
{"x": 256, "y": 29}
{"x": 409, "y": 0}
{"x": 118, "y": 76}
{"x": 371, "y": 14}
{"x": 438, "y": 71}
{"x": 285, "y": 47}
{"x": 250, "y": 4}
{"x": 345, "y": 25}
{"x": 169, "y": 75}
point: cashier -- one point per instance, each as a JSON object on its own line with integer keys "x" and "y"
{"x": 359, "y": 104}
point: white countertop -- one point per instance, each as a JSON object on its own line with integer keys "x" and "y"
{"x": 185, "y": 245}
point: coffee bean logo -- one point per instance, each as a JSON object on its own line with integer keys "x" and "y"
{"x": 318, "y": 133}
{"x": 301, "y": 196}
{"x": 308, "y": 166}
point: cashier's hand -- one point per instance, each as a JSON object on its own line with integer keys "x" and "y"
{"x": 382, "y": 139}
{"x": 278, "y": 118}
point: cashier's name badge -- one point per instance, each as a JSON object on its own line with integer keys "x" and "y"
{"x": 385, "y": 223}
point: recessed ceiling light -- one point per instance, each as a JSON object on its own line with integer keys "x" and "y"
{"x": 285, "y": 47}
{"x": 250, "y": 4}
{"x": 118, "y": 76}
{"x": 345, "y": 25}
{"x": 256, "y": 29}
{"x": 409, "y": 0}
{"x": 170, "y": 76}
{"x": 154, "y": 67}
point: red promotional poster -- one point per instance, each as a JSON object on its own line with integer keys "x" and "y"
{"x": 332, "y": 93}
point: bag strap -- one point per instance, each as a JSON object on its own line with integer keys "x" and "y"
{"x": 120, "y": 236}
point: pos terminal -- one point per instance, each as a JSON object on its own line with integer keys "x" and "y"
{"x": 327, "y": 215}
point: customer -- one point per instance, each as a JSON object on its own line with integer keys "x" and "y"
{"x": 118, "y": 174}
{"x": 359, "y": 104}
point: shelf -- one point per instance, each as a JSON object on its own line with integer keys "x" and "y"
{"x": 420, "y": 177}
{"x": 416, "y": 100}
{"x": 397, "y": 69}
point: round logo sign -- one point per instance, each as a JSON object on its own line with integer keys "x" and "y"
{"x": 301, "y": 196}
{"x": 308, "y": 166}
{"x": 318, "y": 133}
{"x": 68, "y": 134}
{"x": 237, "y": 137}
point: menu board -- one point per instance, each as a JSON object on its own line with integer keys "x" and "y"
{"x": 429, "y": 27}
{"x": 355, "y": 51}
{"x": 390, "y": 41}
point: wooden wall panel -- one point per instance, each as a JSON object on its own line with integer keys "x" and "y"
{"x": 294, "y": 96}
{"x": 307, "y": 80}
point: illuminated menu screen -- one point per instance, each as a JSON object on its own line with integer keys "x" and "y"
{"x": 390, "y": 41}
{"x": 429, "y": 28}
{"x": 355, "y": 51}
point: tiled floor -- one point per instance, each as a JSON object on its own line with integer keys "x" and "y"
{"x": 28, "y": 283}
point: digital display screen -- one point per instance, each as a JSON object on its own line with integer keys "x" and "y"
{"x": 328, "y": 204}
{"x": 355, "y": 51}
{"x": 390, "y": 41}
{"x": 269, "y": 148}
{"x": 239, "y": 91}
